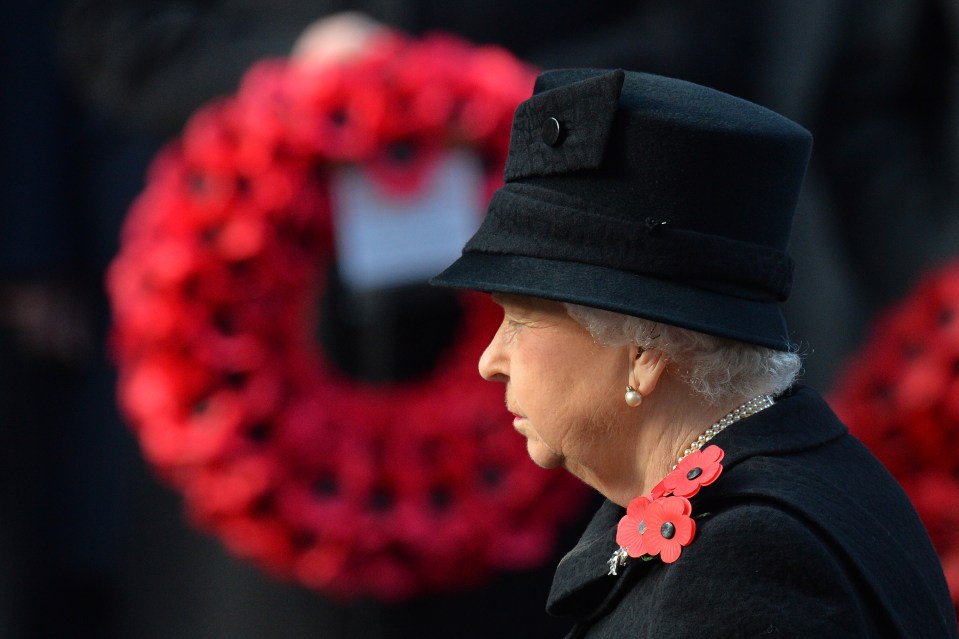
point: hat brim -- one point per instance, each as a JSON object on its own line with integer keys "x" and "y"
{"x": 634, "y": 294}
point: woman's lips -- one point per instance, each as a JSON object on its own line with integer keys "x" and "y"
{"x": 517, "y": 417}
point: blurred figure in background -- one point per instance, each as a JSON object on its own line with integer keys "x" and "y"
{"x": 874, "y": 81}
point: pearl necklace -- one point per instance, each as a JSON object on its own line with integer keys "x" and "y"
{"x": 620, "y": 556}
{"x": 742, "y": 411}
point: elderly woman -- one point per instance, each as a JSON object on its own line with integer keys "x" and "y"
{"x": 638, "y": 250}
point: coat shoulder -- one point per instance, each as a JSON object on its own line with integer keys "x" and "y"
{"x": 787, "y": 582}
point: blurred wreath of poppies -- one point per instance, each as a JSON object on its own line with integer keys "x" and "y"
{"x": 900, "y": 396}
{"x": 355, "y": 489}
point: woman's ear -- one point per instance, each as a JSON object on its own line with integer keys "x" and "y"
{"x": 647, "y": 367}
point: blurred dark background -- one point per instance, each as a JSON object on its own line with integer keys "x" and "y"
{"x": 91, "y": 545}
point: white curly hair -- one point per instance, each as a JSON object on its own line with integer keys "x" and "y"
{"x": 720, "y": 369}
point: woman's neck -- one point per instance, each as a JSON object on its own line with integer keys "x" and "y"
{"x": 669, "y": 420}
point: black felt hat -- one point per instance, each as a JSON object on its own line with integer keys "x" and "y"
{"x": 648, "y": 196}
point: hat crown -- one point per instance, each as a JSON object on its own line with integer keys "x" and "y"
{"x": 680, "y": 192}
{"x": 659, "y": 147}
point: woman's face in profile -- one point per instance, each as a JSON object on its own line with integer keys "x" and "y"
{"x": 564, "y": 389}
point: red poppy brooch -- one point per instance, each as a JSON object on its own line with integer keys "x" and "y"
{"x": 661, "y": 523}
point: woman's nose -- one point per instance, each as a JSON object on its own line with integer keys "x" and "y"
{"x": 492, "y": 363}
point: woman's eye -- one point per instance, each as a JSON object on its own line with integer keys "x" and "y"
{"x": 517, "y": 320}
{"x": 512, "y": 324}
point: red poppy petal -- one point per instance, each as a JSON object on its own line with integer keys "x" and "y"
{"x": 712, "y": 454}
{"x": 673, "y": 507}
{"x": 625, "y": 527}
{"x": 653, "y": 542}
{"x": 658, "y": 490}
{"x": 668, "y": 485}
{"x": 637, "y": 507}
{"x": 670, "y": 552}
{"x": 686, "y": 489}
{"x": 629, "y": 537}
{"x": 685, "y": 531}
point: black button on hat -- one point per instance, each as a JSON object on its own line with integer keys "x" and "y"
{"x": 552, "y": 132}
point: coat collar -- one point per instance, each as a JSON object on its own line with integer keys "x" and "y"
{"x": 799, "y": 420}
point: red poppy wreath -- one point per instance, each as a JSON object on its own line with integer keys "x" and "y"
{"x": 354, "y": 488}
{"x": 900, "y": 396}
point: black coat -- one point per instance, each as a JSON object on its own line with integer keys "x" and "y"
{"x": 806, "y": 535}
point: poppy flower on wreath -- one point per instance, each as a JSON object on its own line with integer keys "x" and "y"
{"x": 899, "y": 394}
{"x": 222, "y": 291}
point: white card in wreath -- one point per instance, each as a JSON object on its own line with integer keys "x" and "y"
{"x": 383, "y": 240}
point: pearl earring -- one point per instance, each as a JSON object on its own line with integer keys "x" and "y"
{"x": 633, "y": 398}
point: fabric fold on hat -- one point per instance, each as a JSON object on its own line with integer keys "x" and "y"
{"x": 646, "y": 246}
{"x": 584, "y": 116}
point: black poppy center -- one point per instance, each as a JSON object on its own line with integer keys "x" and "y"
{"x": 402, "y": 152}
{"x": 694, "y": 473}
{"x": 667, "y": 530}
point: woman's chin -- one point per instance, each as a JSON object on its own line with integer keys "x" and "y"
{"x": 542, "y": 455}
